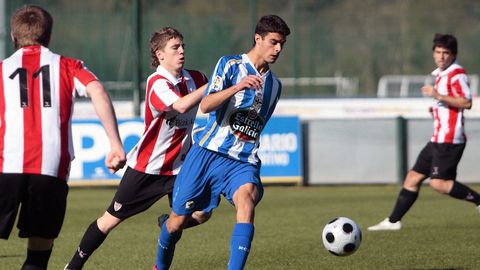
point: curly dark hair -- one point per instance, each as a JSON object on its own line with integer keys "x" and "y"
{"x": 447, "y": 41}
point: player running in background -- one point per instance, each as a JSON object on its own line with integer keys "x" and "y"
{"x": 171, "y": 106}
{"x": 241, "y": 96}
{"x": 439, "y": 158}
{"x": 37, "y": 92}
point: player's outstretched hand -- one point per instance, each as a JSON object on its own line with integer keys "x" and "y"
{"x": 115, "y": 160}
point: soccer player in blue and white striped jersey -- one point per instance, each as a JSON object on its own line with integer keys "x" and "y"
{"x": 240, "y": 98}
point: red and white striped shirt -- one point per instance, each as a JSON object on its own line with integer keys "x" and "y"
{"x": 37, "y": 92}
{"x": 167, "y": 136}
{"x": 449, "y": 121}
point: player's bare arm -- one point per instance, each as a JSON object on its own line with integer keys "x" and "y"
{"x": 457, "y": 102}
{"x": 185, "y": 103}
{"x": 214, "y": 101}
{"x": 102, "y": 103}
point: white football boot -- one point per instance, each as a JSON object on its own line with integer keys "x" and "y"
{"x": 386, "y": 225}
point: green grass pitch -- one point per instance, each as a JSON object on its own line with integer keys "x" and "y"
{"x": 439, "y": 232}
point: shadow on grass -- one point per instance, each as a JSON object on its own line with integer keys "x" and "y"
{"x": 446, "y": 268}
{"x": 12, "y": 256}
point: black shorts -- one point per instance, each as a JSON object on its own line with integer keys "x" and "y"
{"x": 439, "y": 160}
{"x": 43, "y": 202}
{"x": 138, "y": 191}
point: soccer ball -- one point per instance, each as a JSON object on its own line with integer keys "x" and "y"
{"x": 341, "y": 236}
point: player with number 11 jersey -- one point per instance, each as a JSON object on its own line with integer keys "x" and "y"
{"x": 37, "y": 93}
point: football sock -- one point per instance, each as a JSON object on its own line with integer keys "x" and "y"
{"x": 36, "y": 259}
{"x": 240, "y": 244}
{"x": 166, "y": 247}
{"x": 91, "y": 240}
{"x": 462, "y": 192}
{"x": 405, "y": 200}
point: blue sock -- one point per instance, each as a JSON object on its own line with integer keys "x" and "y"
{"x": 166, "y": 247}
{"x": 240, "y": 244}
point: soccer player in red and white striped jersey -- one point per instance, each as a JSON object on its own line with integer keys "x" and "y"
{"x": 37, "y": 93}
{"x": 438, "y": 160}
{"x": 171, "y": 103}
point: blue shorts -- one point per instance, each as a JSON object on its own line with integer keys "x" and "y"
{"x": 205, "y": 175}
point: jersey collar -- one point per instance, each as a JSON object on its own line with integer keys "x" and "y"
{"x": 31, "y": 49}
{"x": 439, "y": 72}
{"x": 247, "y": 60}
{"x": 169, "y": 76}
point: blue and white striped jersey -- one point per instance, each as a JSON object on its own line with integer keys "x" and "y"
{"x": 234, "y": 129}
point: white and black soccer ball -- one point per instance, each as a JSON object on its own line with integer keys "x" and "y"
{"x": 341, "y": 236}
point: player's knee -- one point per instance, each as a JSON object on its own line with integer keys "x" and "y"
{"x": 245, "y": 208}
{"x": 246, "y": 194}
{"x": 107, "y": 222}
{"x": 176, "y": 223}
{"x": 441, "y": 186}
{"x": 413, "y": 181}
{"x": 201, "y": 217}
